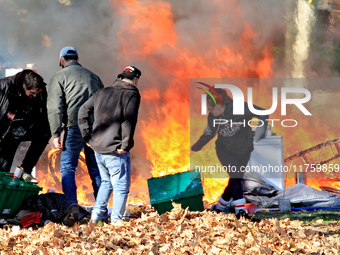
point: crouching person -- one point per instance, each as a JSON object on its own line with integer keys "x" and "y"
{"x": 23, "y": 117}
{"x": 115, "y": 110}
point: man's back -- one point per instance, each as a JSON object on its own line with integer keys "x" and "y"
{"x": 116, "y": 110}
{"x": 74, "y": 84}
{"x": 68, "y": 90}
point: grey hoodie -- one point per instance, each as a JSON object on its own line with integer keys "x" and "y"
{"x": 236, "y": 136}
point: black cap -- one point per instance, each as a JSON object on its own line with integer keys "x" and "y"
{"x": 130, "y": 72}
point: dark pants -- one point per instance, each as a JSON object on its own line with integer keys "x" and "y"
{"x": 233, "y": 164}
{"x": 73, "y": 144}
{"x": 39, "y": 139}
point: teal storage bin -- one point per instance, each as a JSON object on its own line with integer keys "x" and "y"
{"x": 184, "y": 188}
{"x": 13, "y": 192}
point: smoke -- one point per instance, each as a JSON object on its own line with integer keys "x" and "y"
{"x": 36, "y": 31}
{"x": 300, "y": 20}
{"x": 170, "y": 41}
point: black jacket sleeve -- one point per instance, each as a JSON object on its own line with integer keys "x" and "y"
{"x": 84, "y": 118}
{"x": 43, "y": 120}
{"x": 3, "y": 96}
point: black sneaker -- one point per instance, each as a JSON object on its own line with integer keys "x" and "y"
{"x": 244, "y": 214}
{"x": 106, "y": 220}
{"x": 214, "y": 209}
{"x": 71, "y": 215}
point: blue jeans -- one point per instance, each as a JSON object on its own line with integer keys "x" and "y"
{"x": 115, "y": 171}
{"x": 73, "y": 145}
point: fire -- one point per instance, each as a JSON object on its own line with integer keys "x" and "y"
{"x": 150, "y": 34}
{"x": 168, "y": 154}
{"x": 166, "y": 128}
{"x": 51, "y": 178}
{"x": 154, "y": 31}
{"x": 320, "y": 165}
{"x": 48, "y": 172}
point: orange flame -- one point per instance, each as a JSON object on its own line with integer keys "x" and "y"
{"x": 149, "y": 36}
{"x": 166, "y": 129}
{"x": 48, "y": 172}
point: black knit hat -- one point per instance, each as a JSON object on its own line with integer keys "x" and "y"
{"x": 130, "y": 72}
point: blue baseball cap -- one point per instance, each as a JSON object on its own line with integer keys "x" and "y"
{"x": 67, "y": 51}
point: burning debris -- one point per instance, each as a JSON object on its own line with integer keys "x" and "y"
{"x": 317, "y": 148}
{"x": 320, "y": 166}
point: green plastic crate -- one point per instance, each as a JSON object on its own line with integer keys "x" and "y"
{"x": 13, "y": 191}
{"x": 184, "y": 188}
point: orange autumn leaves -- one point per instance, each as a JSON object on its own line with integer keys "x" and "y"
{"x": 177, "y": 232}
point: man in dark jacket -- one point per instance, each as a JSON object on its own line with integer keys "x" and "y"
{"x": 23, "y": 117}
{"x": 68, "y": 90}
{"x": 115, "y": 110}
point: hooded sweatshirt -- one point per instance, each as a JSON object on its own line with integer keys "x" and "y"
{"x": 115, "y": 110}
{"x": 234, "y": 134}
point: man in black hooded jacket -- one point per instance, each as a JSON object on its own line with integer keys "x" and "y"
{"x": 115, "y": 110}
{"x": 23, "y": 117}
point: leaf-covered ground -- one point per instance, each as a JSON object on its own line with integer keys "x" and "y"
{"x": 177, "y": 232}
